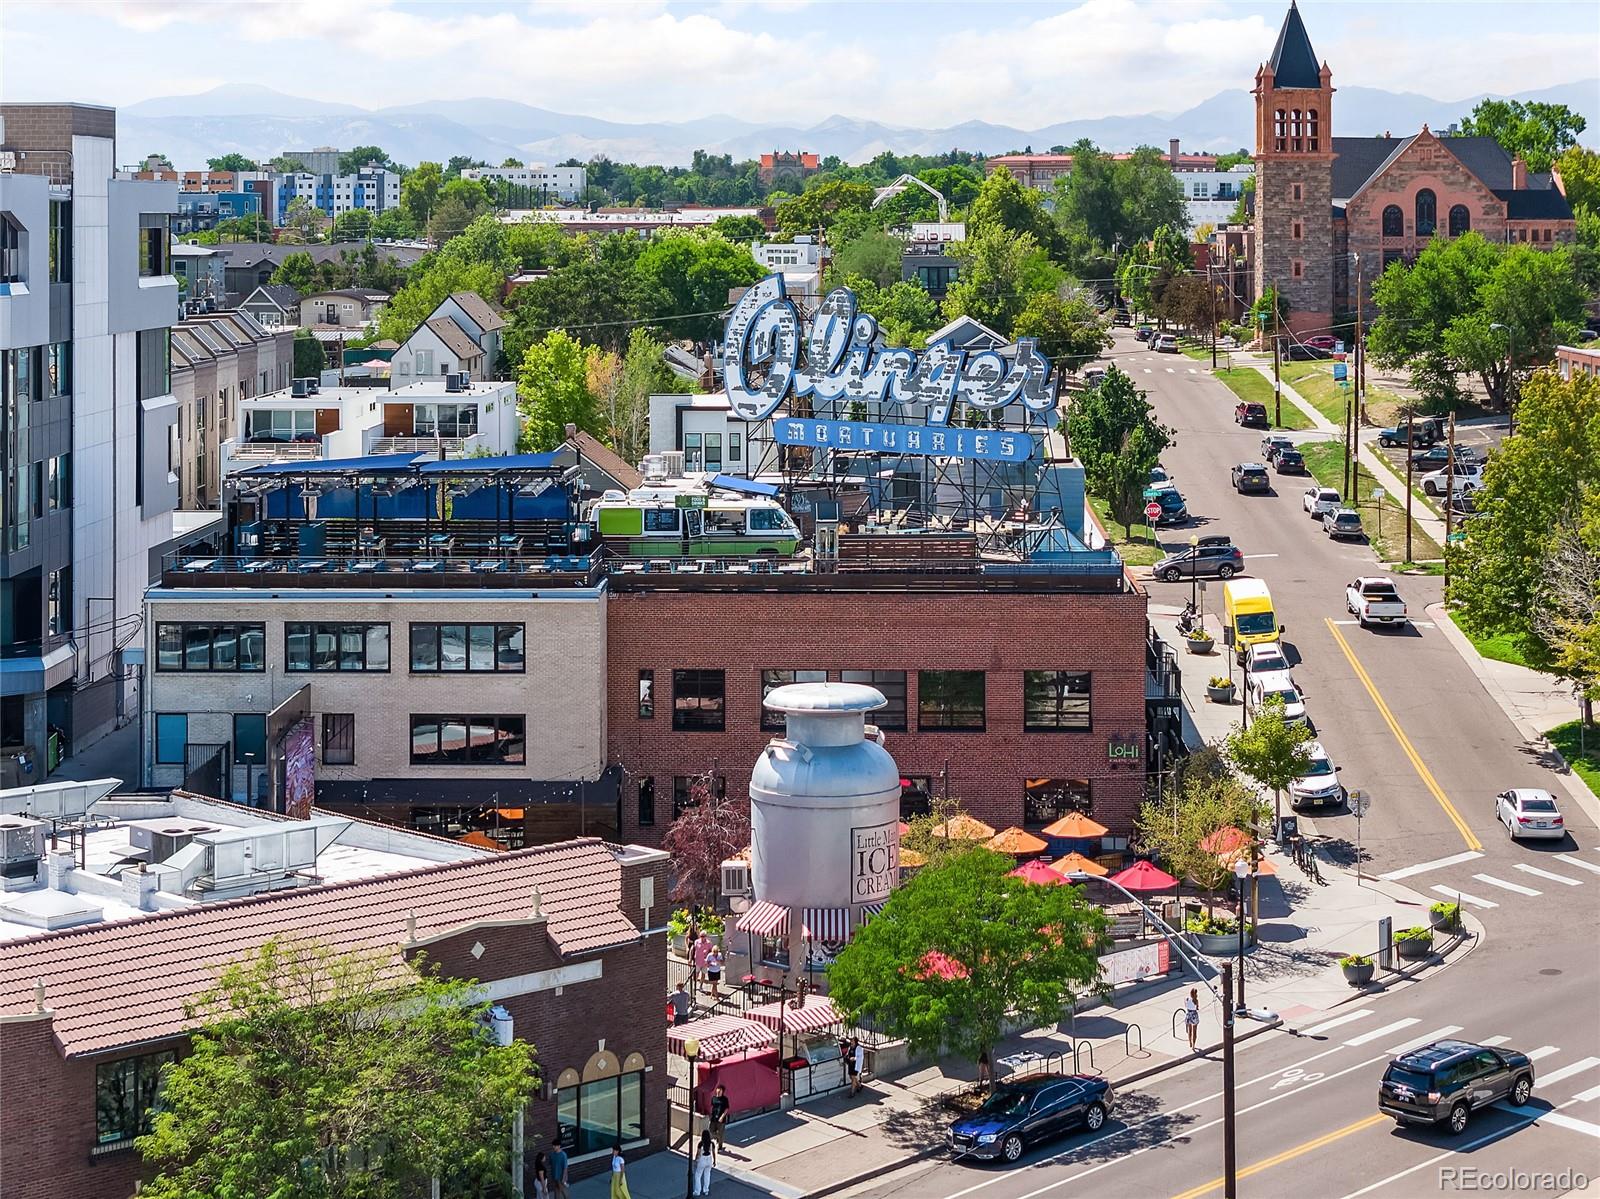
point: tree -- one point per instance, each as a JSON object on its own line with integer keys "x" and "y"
{"x": 644, "y": 373}
{"x": 1260, "y": 315}
{"x": 1070, "y": 330}
{"x": 1119, "y": 203}
{"x": 1003, "y": 203}
{"x": 392, "y": 224}
{"x": 684, "y": 280}
{"x": 710, "y": 830}
{"x": 999, "y": 272}
{"x": 739, "y": 228}
{"x": 597, "y": 292}
{"x": 1532, "y": 131}
{"x": 253, "y": 227}
{"x": 309, "y": 357}
{"x": 232, "y": 162}
{"x": 1190, "y": 302}
{"x": 1226, "y": 162}
{"x": 1272, "y": 752}
{"x": 419, "y": 191}
{"x": 819, "y": 207}
{"x": 297, "y": 270}
{"x": 1113, "y": 431}
{"x": 962, "y": 949}
{"x": 1179, "y": 833}
{"x": 355, "y": 225}
{"x": 553, "y": 392}
{"x": 305, "y": 219}
{"x": 458, "y": 204}
{"x": 511, "y": 162}
{"x": 1241, "y": 211}
{"x": 336, "y": 1076}
{"x": 361, "y": 157}
{"x": 905, "y": 312}
{"x": 285, "y": 164}
{"x": 1579, "y": 168}
{"x": 875, "y": 256}
{"x": 1566, "y": 616}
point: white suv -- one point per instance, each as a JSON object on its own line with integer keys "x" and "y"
{"x": 1266, "y": 657}
{"x": 1319, "y": 501}
{"x": 1277, "y": 685}
{"x": 1469, "y": 477}
{"x": 1319, "y": 786}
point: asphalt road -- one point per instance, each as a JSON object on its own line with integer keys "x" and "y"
{"x": 1409, "y": 723}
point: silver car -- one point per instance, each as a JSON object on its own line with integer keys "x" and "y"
{"x": 1346, "y": 522}
{"x": 1528, "y": 812}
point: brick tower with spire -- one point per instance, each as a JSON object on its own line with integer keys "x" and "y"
{"x": 1294, "y": 179}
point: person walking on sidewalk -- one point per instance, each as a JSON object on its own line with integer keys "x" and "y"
{"x": 1191, "y": 1015}
{"x": 681, "y": 1005}
{"x": 714, "y": 972}
{"x": 619, "y": 1174}
{"x": 700, "y": 954}
{"x": 705, "y": 1157}
{"x": 858, "y": 1063}
{"x": 541, "y": 1176}
{"x": 558, "y": 1169}
{"x": 719, "y": 1115}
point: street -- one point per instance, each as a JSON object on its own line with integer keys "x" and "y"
{"x": 1408, "y": 721}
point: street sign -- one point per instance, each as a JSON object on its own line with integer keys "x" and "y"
{"x": 1340, "y": 371}
{"x": 1360, "y": 804}
{"x": 1202, "y": 586}
{"x": 1377, "y": 493}
{"x": 1338, "y": 347}
{"x": 1152, "y": 510}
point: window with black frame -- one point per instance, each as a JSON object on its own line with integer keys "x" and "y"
{"x": 699, "y": 701}
{"x": 596, "y": 1115}
{"x": 338, "y": 738}
{"x": 323, "y": 647}
{"x": 468, "y": 648}
{"x": 1055, "y": 701}
{"x": 647, "y": 694}
{"x": 950, "y": 700}
{"x": 773, "y": 722}
{"x": 1044, "y": 801}
{"x": 126, "y": 1092}
{"x": 647, "y": 801}
{"x": 891, "y": 684}
{"x": 438, "y": 740}
{"x": 214, "y": 648}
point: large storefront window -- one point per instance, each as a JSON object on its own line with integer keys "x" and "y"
{"x": 211, "y": 647}
{"x": 125, "y": 1093}
{"x": 468, "y": 740}
{"x": 892, "y": 684}
{"x": 773, "y": 722}
{"x": 597, "y": 1111}
{"x": 1047, "y": 800}
{"x": 698, "y": 701}
{"x": 950, "y": 700}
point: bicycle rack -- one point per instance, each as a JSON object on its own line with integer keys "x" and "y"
{"x": 1177, "y": 1014}
{"x": 1076, "y": 1046}
{"x": 1126, "y": 1050}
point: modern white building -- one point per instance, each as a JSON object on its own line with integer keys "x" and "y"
{"x": 373, "y": 189}
{"x": 798, "y": 261}
{"x": 549, "y": 183}
{"x": 1213, "y": 195}
{"x": 705, "y": 431}
{"x": 461, "y": 335}
{"x": 88, "y": 421}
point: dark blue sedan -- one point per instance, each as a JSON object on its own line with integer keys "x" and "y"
{"x": 1026, "y": 1111}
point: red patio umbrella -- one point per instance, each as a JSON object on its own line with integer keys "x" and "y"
{"x": 1227, "y": 839}
{"x": 1037, "y": 872}
{"x": 1144, "y": 876}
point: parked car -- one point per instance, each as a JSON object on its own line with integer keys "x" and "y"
{"x": 1158, "y": 474}
{"x": 1224, "y": 561}
{"x": 1323, "y": 342}
{"x": 1300, "y": 351}
{"x": 1144, "y": 332}
{"x": 1344, "y": 522}
{"x": 1166, "y": 343}
{"x": 1251, "y": 476}
{"x": 1374, "y": 600}
{"x": 1319, "y": 786}
{"x": 1468, "y": 477}
{"x": 1030, "y": 1110}
{"x": 1529, "y": 812}
{"x": 1277, "y": 685}
{"x": 1248, "y": 413}
{"x": 1445, "y": 1082}
{"x": 1319, "y": 501}
{"x": 1438, "y": 457}
{"x": 1462, "y": 505}
{"x": 1265, "y": 657}
{"x": 1173, "y": 510}
{"x": 1289, "y": 462}
{"x": 1416, "y": 433}
{"x": 1273, "y": 442}
{"x": 1094, "y": 374}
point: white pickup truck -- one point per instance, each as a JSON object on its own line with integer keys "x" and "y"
{"x": 1374, "y": 601}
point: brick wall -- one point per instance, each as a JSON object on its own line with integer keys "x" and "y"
{"x": 1002, "y": 635}
{"x": 1280, "y": 215}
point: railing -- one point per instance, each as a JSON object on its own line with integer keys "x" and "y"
{"x": 327, "y": 571}
{"x": 273, "y": 451}
{"x": 453, "y": 447}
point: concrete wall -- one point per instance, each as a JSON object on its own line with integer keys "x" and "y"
{"x": 25, "y": 309}
{"x": 138, "y": 302}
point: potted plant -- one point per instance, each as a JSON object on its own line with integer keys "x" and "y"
{"x": 678, "y": 927}
{"x": 1219, "y": 690}
{"x": 1216, "y": 936}
{"x": 1357, "y": 969}
{"x": 1414, "y": 944}
{"x": 1199, "y": 641}
{"x": 1444, "y": 916}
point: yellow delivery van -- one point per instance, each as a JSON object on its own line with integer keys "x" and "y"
{"x": 1247, "y": 610}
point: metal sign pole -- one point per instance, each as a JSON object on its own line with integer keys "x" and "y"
{"x": 1360, "y": 802}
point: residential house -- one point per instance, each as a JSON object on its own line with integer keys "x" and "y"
{"x": 352, "y": 308}
{"x": 599, "y": 467}
{"x": 275, "y": 305}
{"x": 461, "y": 334}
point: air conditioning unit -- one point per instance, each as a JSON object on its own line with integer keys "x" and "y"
{"x": 735, "y": 878}
{"x": 672, "y": 463}
{"x": 21, "y": 847}
{"x": 466, "y": 380}
{"x": 452, "y": 382}
{"x": 300, "y": 388}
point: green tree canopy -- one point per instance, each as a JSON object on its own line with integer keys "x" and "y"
{"x": 1272, "y": 751}
{"x": 875, "y": 255}
{"x": 1579, "y": 168}
{"x": 739, "y": 228}
{"x": 1070, "y": 331}
{"x": 1178, "y": 831}
{"x": 596, "y": 293}
{"x": 355, "y": 225}
{"x": 329, "y": 1076}
{"x": 553, "y": 392}
{"x": 458, "y": 204}
{"x": 1113, "y": 431}
{"x": 305, "y": 219}
{"x": 297, "y": 270}
{"x": 905, "y": 312}
{"x": 684, "y": 280}
{"x": 393, "y": 224}
{"x": 360, "y": 157}
{"x": 285, "y": 164}
{"x": 1117, "y": 203}
{"x": 309, "y": 356}
{"x": 1532, "y": 131}
{"x": 820, "y": 207}
{"x": 1000, "y": 272}
{"x": 1002, "y": 203}
{"x": 419, "y": 192}
{"x": 232, "y": 162}
{"x": 961, "y": 949}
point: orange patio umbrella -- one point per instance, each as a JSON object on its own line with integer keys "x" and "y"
{"x": 1075, "y": 826}
{"x": 1228, "y": 839}
{"x": 1018, "y": 842}
{"x": 910, "y": 858}
{"x": 1076, "y": 863}
{"x": 1037, "y": 872}
{"x": 962, "y": 827}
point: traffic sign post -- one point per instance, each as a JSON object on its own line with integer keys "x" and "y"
{"x": 1360, "y": 802}
{"x": 1377, "y": 499}
{"x": 1151, "y": 511}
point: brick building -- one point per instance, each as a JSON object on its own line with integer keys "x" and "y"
{"x": 1323, "y": 202}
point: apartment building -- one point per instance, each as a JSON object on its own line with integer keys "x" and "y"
{"x": 89, "y": 425}
{"x": 372, "y": 188}
{"x": 544, "y": 183}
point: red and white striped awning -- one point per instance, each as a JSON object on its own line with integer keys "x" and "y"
{"x": 816, "y": 1014}
{"x": 764, "y": 920}
{"x": 719, "y": 1036}
{"x": 869, "y": 910}
{"x": 828, "y": 924}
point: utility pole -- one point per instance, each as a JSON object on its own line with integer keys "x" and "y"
{"x": 1230, "y": 1171}
{"x": 1449, "y": 496}
{"x": 1353, "y": 403}
{"x": 1212, "y": 288}
{"x": 1411, "y": 457}
{"x": 1277, "y": 380}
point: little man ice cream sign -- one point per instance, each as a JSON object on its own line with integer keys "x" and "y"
{"x": 874, "y": 862}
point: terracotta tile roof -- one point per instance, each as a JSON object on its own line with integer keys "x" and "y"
{"x": 125, "y": 983}
{"x": 456, "y": 339}
{"x": 606, "y": 458}
{"x": 480, "y": 310}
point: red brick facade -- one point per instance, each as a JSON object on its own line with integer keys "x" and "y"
{"x": 1000, "y": 634}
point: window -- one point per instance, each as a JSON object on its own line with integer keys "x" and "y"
{"x": 58, "y": 368}
{"x": 1297, "y": 192}
{"x": 950, "y": 699}
{"x": 1055, "y": 701}
{"x": 691, "y": 451}
{"x": 916, "y": 796}
{"x": 58, "y": 602}
{"x": 338, "y": 738}
{"x": 1297, "y": 268}
{"x": 172, "y": 738}
{"x": 594, "y": 1116}
{"x": 60, "y": 241}
{"x": 773, "y": 722}
{"x": 892, "y": 684}
{"x": 467, "y": 740}
{"x": 446, "y": 420}
{"x": 153, "y": 353}
{"x": 769, "y": 520}
{"x": 213, "y": 647}
{"x": 734, "y": 447}
{"x": 684, "y": 788}
{"x": 334, "y": 647}
{"x": 1280, "y": 131}
{"x": 698, "y": 701}
{"x": 475, "y": 648}
{"x": 1297, "y": 231}
{"x": 1460, "y": 220}
{"x": 1394, "y": 221}
{"x": 1311, "y": 130}
{"x": 249, "y": 738}
{"x": 647, "y": 694}
{"x": 1296, "y": 131}
{"x": 660, "y": 520}
{"x": 125, "y": 1093}
{"x": 1390, "y": 257}
{"x": 1427, "y": 213}
{"x": 713, "y": 454}
{"x": 647, "y": 801}
{"x": 154, "y": 236}
{"x": 12, "y": 262}
{"x": 1045, "y": 801}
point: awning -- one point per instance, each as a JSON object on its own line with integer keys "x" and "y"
{"x": 827, "y": 924}
{"x": 719, "y": 1036}
{"x": 370, "y": 465}
{"x": 489, "y": 466}
{"x": 814, "y": 1015}
{"x": 764, "y": 919}
{"x": 745, "y": 486}
{"x": 869, "y": 910}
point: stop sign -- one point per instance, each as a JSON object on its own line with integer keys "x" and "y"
{"x": 1152, "y": 510}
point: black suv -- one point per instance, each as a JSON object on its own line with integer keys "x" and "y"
{"x": 1447, "y": 1081}
{"x": 1247, "y": 412}
{"x": 1251, "y": 476}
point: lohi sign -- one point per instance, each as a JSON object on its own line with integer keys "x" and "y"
{"x": 874, "y": 862}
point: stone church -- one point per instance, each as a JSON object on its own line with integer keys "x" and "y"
{"x": 1323, "y": 204}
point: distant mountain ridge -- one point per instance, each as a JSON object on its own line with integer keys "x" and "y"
{"x": 261, "y": 122}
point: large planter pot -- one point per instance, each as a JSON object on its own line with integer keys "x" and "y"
{"x": 1220, "y": 945}
{"x": 1446, "y": 924}
{"x": 1414, "y": 950}
{"x": 1196, "y": 645}
{"x": 1358, "y": 976}
{"x": 1220, "y": 695}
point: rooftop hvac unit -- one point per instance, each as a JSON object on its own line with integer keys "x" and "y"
{"x": 672, "y": 463}
{"x": 160, "y": 839}
{"x": 652, "y": 467}
{"x": 452, "y": 381}
{"x": 300, "y": 388}
{"x": 21, "y": 847}
{"x": 56, "y": 801}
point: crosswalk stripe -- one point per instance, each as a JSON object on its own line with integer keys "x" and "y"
{"x": 1494, "y": 1040}
{"x": 1500, "y": 882}
{"x": 1376, "y": 1033}
{"x": 1170, "y": 371}
{"x": 1578, "y": 862}
{"x": 1559, "y": 1119}
{"x": 1555, "y": 878}
{"x": 1542, "y": 1051}
{"x": 1578, "y": 1067}
{"x": 1449, "y": 1030}
{"x": 1437, "y": 863}
{"x": 1585, "y": 1096}
{"x": 1336, "y": 1022}
{"x": 1464, "y": 897}
{"x": 1148, "y": 371}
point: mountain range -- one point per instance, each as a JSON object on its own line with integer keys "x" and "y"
{"x": 261, "y": 122}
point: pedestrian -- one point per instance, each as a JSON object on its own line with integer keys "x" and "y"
{"x": 720, "y": 1104}
{"x": 705, "y": 1158}
{"x": 690, "y": 941}
{"x": 985, "y": 1075}
{"x": 847, "y": 1051}
{"x": 541, "y": 1176}
{"x": 714, "y": 972}
{"x": 858, "y": 1054}
{"x": 700, "y": 955}
{"x": 619, "y": 1174}
{"x": 1191, "y": 1015}
{"x": 558, "y": 1168}
{"x": 681, "y": 1005}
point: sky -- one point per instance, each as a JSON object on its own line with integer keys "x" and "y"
{"x": 917, "y": 64}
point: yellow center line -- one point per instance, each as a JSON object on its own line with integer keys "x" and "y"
{"x": 1423, "y": 772}
{"x": 1287, "y": 1154}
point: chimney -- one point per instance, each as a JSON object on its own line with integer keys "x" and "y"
{"x": 1519, "y": 175}
{"x": 571, "y": 431}
{"x": 138, "y": 887}
{"x": 1172, "y": 153}
{"x": 59, "y": 864}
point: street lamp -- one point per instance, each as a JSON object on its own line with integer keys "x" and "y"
{"x": 1230, "y": 1172}
{"x": 1511, "y": 374}
{"x": 1194, "y": 566}
{"x": 1241, "y": 871}
{"x": 691, "y": 1050}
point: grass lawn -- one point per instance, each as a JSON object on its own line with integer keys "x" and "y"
{"x": 1141, "y": 549}
{"x": 1499, "y": 646}
{"x": 1325, "y": 461}
{"x": 1200, "y": 351}
{"x": 1252, "y": 385}
{"x": 1587, "y": 764}
{"x": 1314, "y": 382}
